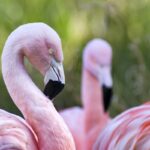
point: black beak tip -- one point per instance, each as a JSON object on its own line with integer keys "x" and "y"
{"x": 53, "y": 88}
{"x": 107, "y": 96}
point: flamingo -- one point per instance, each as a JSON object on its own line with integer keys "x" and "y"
{"x": 128, "y": 131}
{"x": 43, "y": 128}
{"x": 85, "y": 123}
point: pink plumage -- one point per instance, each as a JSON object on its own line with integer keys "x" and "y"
{"x": 86, "y": 123}
{"x": 15, "y": 133}
{"x": 33, "y": 41}
{"x": 130, "y": 130}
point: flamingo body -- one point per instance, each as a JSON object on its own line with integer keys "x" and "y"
{"x": 74, "y": 119}
{"x": 130, "y": 130}
{"x": 15, "y": 133}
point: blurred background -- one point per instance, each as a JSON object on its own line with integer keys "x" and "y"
{"x": 125, "y": 24}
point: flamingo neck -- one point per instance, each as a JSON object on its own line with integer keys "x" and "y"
{"x": 38, "y": 111}
{"x": 93, "y": 108}
{"x": 20, "y": 86}
{"x": 92, "y": 99}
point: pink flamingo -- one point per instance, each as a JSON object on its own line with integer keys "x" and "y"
{"x": 130, "y": 130}
{"x": 44, "y": 129}
{"x": 85, "y": 123}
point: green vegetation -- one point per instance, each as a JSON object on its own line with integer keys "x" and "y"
{"x": 125, "y": 24}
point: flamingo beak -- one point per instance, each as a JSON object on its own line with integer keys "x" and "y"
{"x": 54, "y": 79}
{"x": 106, "y": 85}
{"x": 107, "y": 96}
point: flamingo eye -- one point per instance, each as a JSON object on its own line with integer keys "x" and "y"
{"x": 51, "y": 51}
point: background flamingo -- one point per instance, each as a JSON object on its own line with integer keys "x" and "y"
{"x": 33, "y": 41}
{"x": 130, "y": 130}
{"x": 85, "y": 123}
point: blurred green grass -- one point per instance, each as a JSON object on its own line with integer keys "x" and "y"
{"x": 124, "y": 24}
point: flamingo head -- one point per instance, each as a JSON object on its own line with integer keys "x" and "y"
{"x": 54, "y": 77}
{"x": 97, "y": 58}
{"x": 42, "y": 47}
{"x": 46, "y": 56}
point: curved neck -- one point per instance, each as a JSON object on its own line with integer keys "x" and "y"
{"x": 92, "y": 100}
{"x": 38, "y": 111}
{"x": 20, "y": 86}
